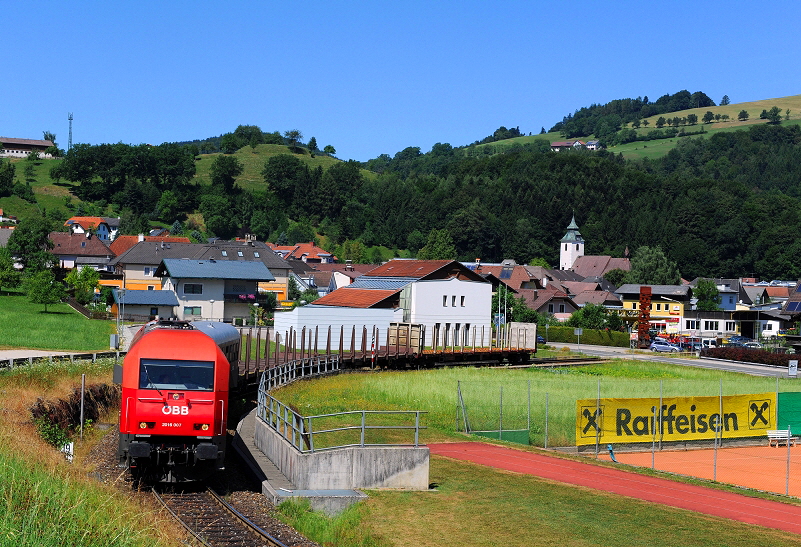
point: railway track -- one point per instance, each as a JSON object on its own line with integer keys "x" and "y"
{"x": 213, "y": 522}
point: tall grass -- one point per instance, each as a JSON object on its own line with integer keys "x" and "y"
{"x": 344, "y": 530}
{"x": 46, "y": 501}
{"x": 435, "y": 391}
{"x": 27, "y": 325}
{"x": 38, "y": 508}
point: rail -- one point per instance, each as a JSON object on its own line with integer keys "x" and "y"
{"x": 20, "y": 361}
{"x": 312, "y": 433}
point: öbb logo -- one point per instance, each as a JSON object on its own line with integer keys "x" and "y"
{"x": 175, "y": 410}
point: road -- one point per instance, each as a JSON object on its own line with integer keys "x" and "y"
{"x": 645, "y": 355}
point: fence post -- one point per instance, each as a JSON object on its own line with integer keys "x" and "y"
{"x": 546, "y": 420}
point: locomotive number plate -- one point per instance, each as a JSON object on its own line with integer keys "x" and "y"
{"x": 171, "y": 424}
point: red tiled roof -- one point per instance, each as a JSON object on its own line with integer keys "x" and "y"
{"x": 85, "y": 222}
{"x": 597, "y": 297}
{"x": 123, "y": 243}
{"x": 355, "y": 298}
{"x": 778, "y": 292}
{"x": 576, "y": 287}
{"x": 519, "y": 275}
{"x": 297, "y": 251}
{"x": 536, "y": 299}
{"x": 409, "y": 268}
{"x": 351, "y": 270}
{"x": 588, "y": 265}
{"x": 78, "y": 244}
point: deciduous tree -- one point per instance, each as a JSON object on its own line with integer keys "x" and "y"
{"x": 293, "y": 136}
{"x": 707, "y": 294}
{"x": 774, "y": 115}
{"x": 42, "y": 288}
{"x": 743, "y": 115}
{"x": 83, "y": 282}
{"x": 650, "y": 266}
{"x": 708, "y": 117}
{"x": 9, "y": 276}
{"x": 439, "y": 246}
{"x": 30, "y": 244}
{"x": 224, "y": 171}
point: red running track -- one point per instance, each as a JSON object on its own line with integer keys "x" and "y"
{"x": 771, "y": 514}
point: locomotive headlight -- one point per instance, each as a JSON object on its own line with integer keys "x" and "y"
{"x": 203, "y": 427}
{"x": 142, "y": 425}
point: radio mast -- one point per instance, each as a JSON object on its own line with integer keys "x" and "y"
{"x": 69, "y": 142}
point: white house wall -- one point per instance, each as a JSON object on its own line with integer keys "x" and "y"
{"x": 452, "y": 302}
{"x": 212, "y": 306}
{"x": 339, "y": 319}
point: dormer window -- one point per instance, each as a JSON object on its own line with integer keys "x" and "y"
{"x": 224, "y": 253}
{"x": 239, "y": 253}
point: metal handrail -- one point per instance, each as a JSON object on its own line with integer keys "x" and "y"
{"x": 299, "y": 430}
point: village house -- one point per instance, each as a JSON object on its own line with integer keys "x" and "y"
{"x": 142, "y": 306}
{"x": 105, "y": 228}
{"x": 136, "y": 267}
{"x": 448, "y": 300}
{"x": 305, "y": 252}
{"x": 22, "y": 148}
{"x": 81, "y": 250}
{"x": 214, "y": 290}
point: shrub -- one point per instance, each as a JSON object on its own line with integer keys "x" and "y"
{"x": 589, "y": 336}
{"x": 749, "y": 355}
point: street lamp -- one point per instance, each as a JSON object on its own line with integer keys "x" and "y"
{"x": 212, "y": 309}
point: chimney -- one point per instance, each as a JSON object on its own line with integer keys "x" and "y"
{"x": 478, "y": 264}
{"x": 140, "y": 237}
{"x": 348, "y": 265}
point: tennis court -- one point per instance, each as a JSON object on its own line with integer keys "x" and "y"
{"x": 759, "y": 467}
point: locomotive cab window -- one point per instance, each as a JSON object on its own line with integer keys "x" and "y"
{"x": 175, "y": 374}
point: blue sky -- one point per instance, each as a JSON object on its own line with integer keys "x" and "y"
{"x": 372, "y": 77}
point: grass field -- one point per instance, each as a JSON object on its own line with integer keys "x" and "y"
{"x": 47, "y": 502}
{"x": 473, "y": 505}
{"x": 658, "y": 148}
{"x": 435, "y": 392}
{"x": 26, "y": 325}
{"x": 49, "y": 195}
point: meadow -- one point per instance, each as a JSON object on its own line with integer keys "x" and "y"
{"x": 435, "y": 392}
{"x": 27, "y": 325}
{"x": 474, "y": 506}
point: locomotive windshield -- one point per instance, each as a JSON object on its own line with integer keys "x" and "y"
{"x": 175, "y": 374}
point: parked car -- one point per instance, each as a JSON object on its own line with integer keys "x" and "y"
{"x": 657, "y": 345}
{"x": 691, "y": 346}
{"x": 540, "y": 339}
{"x": 753, "y": 345}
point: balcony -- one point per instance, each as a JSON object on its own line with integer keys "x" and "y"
{"x": 244, "y": 298}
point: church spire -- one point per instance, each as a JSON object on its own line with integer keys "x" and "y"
{"x": 573, "y": 235}
{"x": 571, "y": 246}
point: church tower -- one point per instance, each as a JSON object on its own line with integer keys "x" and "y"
{"x": 571, "y": 246}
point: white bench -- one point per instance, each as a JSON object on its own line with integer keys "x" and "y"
{"x": 779, "y": 436}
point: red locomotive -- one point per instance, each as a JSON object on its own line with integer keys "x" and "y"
{"x": 175, "y": 382}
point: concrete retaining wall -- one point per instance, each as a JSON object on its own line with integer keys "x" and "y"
{"x": 346, "y": 468}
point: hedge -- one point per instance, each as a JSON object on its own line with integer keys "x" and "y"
{"x": 588, "y": 336}
{"x": 749, "y": 356}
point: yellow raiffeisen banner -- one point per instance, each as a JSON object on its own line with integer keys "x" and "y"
{"x": 680, "y": 419}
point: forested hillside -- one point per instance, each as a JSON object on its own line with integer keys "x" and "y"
{"x": 725, "y": 205}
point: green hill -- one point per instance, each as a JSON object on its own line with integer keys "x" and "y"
{"x": 658, "y": 148}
